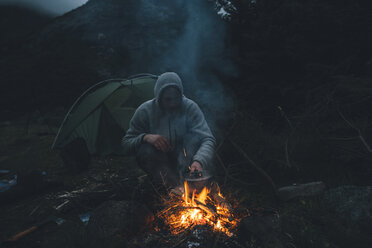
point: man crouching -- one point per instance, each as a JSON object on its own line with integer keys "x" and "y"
{"x": 169, "y": 134}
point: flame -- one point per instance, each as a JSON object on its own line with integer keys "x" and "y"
{"x": 201, "y": 208}
{"x": 186, "y": 192}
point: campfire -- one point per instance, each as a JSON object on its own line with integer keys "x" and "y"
{"x": 192, "y": 208}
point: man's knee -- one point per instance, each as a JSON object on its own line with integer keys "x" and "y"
{"x": 149, "y": 152}
{"x": 146, "y": 149}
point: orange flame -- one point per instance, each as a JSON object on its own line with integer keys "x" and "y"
{"x": 199, "y": 209}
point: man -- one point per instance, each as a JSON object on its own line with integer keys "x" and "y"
{"x": 169, "y": 134}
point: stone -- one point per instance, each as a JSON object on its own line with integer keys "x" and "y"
{"x": 352, "y": 203}
{"x": 119, "y": 218}
{"x": 309, "y": 189}
{"x": 266, "y": 229}
{"x": 69, "y": 234}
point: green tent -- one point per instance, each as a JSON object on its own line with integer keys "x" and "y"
{"x": 101, "y": 114}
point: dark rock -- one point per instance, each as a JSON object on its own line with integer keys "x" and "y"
{"x": 308, "y": 189}
{"x": 265, "y": 228}
{"x": 352, "y": 203}
{"x": 118, "y": 218}
{"x": 148, "y": 240}
{"x": 350, "y": 224}
{"x": 69, "y": 234}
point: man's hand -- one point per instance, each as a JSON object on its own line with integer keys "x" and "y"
{"x": 196, "y": 166}
{"x": 158, "y": 141}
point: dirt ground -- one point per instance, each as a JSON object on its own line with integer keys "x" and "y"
{"x": 58, "y": 192}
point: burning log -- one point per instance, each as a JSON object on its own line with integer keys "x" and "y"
{"x": 222, "y": 202}
{"x": 205, "y": 208}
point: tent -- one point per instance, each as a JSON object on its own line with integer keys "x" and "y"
{"x": 101, "y": 115}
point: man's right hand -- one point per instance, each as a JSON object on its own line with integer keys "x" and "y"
{"x": 158, "y": 141}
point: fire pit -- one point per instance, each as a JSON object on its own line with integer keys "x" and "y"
{"x": 205, "y": 208}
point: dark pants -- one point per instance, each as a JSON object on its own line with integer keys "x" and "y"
{"x": 161, "y": 167}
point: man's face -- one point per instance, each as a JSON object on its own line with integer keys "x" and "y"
{"x": 170, "y": 99}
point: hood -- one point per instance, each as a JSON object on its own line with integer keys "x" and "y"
{"x": 167, "y": 79}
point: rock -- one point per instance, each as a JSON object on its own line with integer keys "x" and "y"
{"x": 69, "y": 234}
{"x": 148, "y": 240}
{"x": 352, "y": 203}
{"x": 265, "y": 228}
{"x": 118, "y": 218}
{"x": 308, "y": 189}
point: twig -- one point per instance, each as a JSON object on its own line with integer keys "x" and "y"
{"x": 157, "y": 192}
{"x": 285, "y": 117}
{"x": 365, "y": 143}
{"x": 183, "y": 239}
{"x": 231, "y": 128}
{"x": 179, "y": 242}
{"x": 287, "y": 154}
{"x": 163, "y": 181}
{"x": 224, "y": 168}
{"x": 259, "y": 169}
{"x": 227, "y": 175}
{"x": 33, "y": 211}
{"x": 176, "y": 209}
{"x": 360, "y": 136}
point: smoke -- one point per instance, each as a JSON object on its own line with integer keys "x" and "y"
{"x": 49, "y": 7}
{"x": 200, "y": 57}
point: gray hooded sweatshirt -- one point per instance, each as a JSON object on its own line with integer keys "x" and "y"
{"x": 186, "y": 129}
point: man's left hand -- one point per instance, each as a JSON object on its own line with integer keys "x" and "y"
{"x": 196, "y": 166}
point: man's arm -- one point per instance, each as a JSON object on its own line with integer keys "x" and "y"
{"x": 199, "y": 127}
{"x": 138, "y": 128}
{"x": 158, "y": 141}
{"x": 139, "y": 132}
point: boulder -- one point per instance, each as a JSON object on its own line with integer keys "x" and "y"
{"x": 266, "y": 229}
{"x": 352, "y": 203}
{"x": 309, "y": 189}
{"x": 122, "y": 218}
{"x": 69, "y": 234}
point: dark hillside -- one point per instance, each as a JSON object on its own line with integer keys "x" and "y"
{"x": 16, "y": 23}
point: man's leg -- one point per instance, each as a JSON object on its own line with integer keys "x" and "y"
{"x": 159, "y": 165}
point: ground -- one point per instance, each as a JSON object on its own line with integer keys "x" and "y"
{"x": 25, "y": 147}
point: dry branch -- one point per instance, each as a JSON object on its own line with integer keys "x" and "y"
{"x": 360, "y": 136}
{"x": 227, "y": 175}
{"x": 231, "y": 128}
{"x": 259, "y": 169}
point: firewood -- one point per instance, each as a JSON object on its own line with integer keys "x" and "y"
{"x": 222, "y": 202}
{"x": 205, "y": 207}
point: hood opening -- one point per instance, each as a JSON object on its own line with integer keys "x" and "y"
{"x": 166, "y": 80}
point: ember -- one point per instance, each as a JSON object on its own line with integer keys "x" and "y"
{"x": 205, "y": 208}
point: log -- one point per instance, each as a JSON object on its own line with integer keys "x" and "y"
{"x": 222, "y": 202}
{"x": 204, "y": 207}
